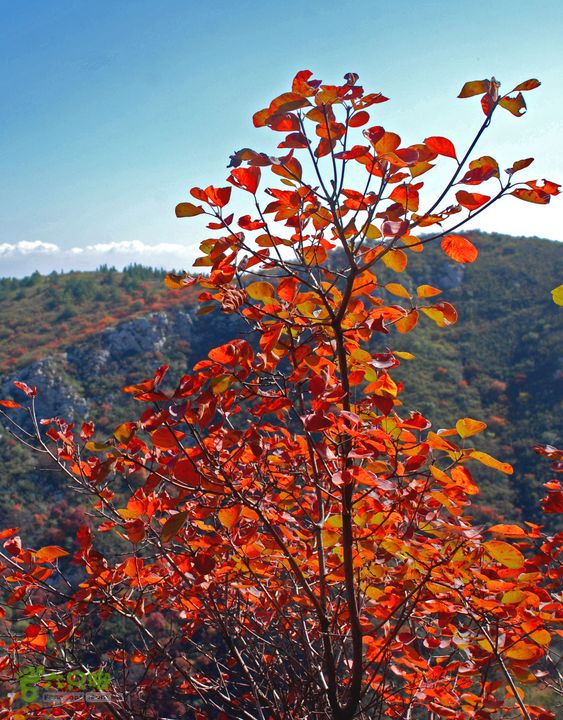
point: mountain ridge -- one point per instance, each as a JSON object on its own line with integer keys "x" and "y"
{"x": 82, "y": 337}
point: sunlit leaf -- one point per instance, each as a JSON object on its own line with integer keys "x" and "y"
{"x": 505, "y": 554}
{"x": 441, "y": 146}
{"x": 260, "y": 290}
{"x": 507, "y": 530}
{"x": 466, "y": 427}
{"x": 489, "y": 461}
{"x": 471, "y": 201}
{"x": 396, "y": 260}
{"x": 49, "y": 553}
{"x": 407, "y": 323}
{"x": 557, "y": 295}
{"x": 166, "y": 438}
{"x": 459, "y": 249}
{"x": 427, "y": 291}
{"x": 229, "y": 516}
{"x": 443, "y": 314}
{"x": 398, "y": 290}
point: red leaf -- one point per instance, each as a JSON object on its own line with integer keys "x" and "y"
{"x": 441, "y": 146}
{"x": 10, "y": 404}
{"x": 245, "y": 178}
{"x": 135, "y": 530}
{"x": 359, "y": 119}
{"x": 29, "y": 391}
{"x": 471, "y": 201}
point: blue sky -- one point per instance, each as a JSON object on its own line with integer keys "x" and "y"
{"x": 113, "y": 109}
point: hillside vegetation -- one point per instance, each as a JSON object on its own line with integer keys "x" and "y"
{"x": 82, "y": 336}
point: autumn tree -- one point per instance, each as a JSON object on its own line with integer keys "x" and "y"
{"x": 290, "y": 541}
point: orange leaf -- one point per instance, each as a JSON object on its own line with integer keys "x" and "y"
{"x": 396, "y": 260}
{"x": 426, "y": 291}
{"x": 505, "y": 554}
{"x": 527, "y": 85}
{"x": 50, "y": 553}
{"x": 508, "y": 530}
{"x": 459, "y": 249}
{"x": 228, "y": 517}
{"x": 359, "y": 119}
{"x": 406, "y": 324}
{"x": 515, "y": 105}
{"x": 523, "y": 650}
{"x": 187, "y": 209}
{"x": 533, "y": 196}
{"x": 462, "y": 478}
{"x": 9, "y": 404}
{"x": 474, "y": 87}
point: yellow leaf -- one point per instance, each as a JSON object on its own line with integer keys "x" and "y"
{"x": 98, "y": 447}
{"x": 486, "y": 645}
{"x": 513, "y": 597}
{"x": 557, "y": 295}
{"x": 260, "y": 291}
{"x": 466, "y": 427}
{"x": 505, "y": 554}
{"x": 397, "y": 289}
{"x": 124, "y": 432}
{"x": 175, "y": 282}
{"x": 374, "y": 593}
{"x": 372, "y": 232}
{"x": 490, "y": 461}
{"x": 443, "y": 314}
{"x": 404, "y": 355}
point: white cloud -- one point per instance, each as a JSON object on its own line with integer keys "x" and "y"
{"x": 26, "y": 247}
{"x": 23, "y": 258}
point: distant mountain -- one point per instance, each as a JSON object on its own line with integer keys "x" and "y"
{"x": 80, "y": 337}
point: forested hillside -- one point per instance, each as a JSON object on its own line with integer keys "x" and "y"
{"x": 80, "y": 337}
